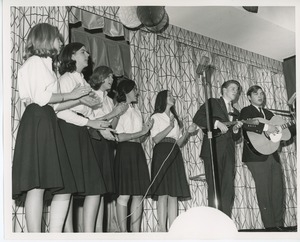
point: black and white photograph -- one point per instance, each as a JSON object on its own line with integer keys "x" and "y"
{"x": 149, "y": 120}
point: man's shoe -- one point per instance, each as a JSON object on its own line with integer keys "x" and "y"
{"x": 273, "y": 229}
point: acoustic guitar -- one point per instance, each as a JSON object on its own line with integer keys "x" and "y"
{"x": 217, "y": 132}
{"x": 267, "y": 144}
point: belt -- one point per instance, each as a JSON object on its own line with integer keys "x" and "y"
{"x": 168, "y": 140}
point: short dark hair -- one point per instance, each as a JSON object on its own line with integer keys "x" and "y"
{"x": 98, "y": 76}
{"x": 65, "y": 57}
{"x": 253, "y": 89}
{"x": 227, "y": 83}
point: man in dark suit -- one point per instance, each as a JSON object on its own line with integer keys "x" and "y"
{"x": 223, "y": 145}
{"x": 265, "y": 169}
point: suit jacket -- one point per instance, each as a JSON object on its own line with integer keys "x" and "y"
{"x": 249, "y": 153}
{"x": 218, "y": 111}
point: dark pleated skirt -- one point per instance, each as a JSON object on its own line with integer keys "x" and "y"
{"x": 104, "y": 151}
{"x": 171, "y": 179}
{"x": 84, "y": 165}
{"x": 40, "y": 158}
{"x": 131, "y": 169}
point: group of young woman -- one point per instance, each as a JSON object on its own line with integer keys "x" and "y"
{"x": 74, "y": 141}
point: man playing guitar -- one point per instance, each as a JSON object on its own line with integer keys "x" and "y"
{"x": 265, "y": 169}
{"x": 222, "y": 112}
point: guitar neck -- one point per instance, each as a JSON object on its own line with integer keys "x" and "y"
{"x": 230, "y": 123}
{"x": 283, "y": 126}
{"x": 243, "y": 121}
{"x": 288, "y": 124}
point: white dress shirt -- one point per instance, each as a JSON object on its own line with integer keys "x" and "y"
{"x": 36, "y": 80}
{"x": 67, "y": 82}
{"x": 228, "y": 107}
{"x": 161, "y": 122}
{"x": 227, "y": 102}
{"x": 107, "y": 104}
{"x": 266, "y": 126}
{"x": 131, "y": 121}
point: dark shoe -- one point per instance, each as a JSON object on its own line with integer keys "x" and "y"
{"x": 287, "y": 229}
{"x": 273, "y": 229}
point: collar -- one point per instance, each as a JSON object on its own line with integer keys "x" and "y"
{"x": 226, "y": 100}
{"x": 165, "y": 114}
{"x": 257, "y": 107}
{"x": 130, "y": 105}
{"x": 48, "y": 59}
{"x": 101, "y": 93}
{"x": 76, "y": 73}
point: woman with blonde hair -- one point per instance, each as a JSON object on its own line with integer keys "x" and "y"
{"x": 41, "y": 169}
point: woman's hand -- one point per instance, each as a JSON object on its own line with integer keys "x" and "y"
{"x": 147, "y": 126}
{"x": 91, "y": 100}
{"x": 80, "y": 91}
{"x": 106, "y": 133}
{"x": 192, "y": 128}
{"x": 172, "y": 119}
{"x": 120, "y": 109}
{"x": 99, "y": 124}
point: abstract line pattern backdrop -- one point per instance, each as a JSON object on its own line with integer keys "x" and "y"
{"x": 169, "y": 61}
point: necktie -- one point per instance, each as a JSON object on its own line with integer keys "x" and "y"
{"x": 261, "y": 112}
{"x": 230, "y": 111}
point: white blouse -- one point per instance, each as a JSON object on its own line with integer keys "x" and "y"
{"x": 36, "y": 80}
{"x": 107, "y": 106}
{"x": 161, "y": 122}
{"x": 67, "y": 82}
{"x": 131, "y": 121}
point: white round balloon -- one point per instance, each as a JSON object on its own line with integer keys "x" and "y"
{"x": 202, "y": 223}
{"x": 128, "y": 16}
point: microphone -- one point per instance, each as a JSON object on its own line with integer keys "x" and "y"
{"x": 202, "y": 65}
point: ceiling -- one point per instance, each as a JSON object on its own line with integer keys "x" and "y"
{"x": 270, "y": 32}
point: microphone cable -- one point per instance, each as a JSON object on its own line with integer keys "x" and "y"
{"x": 151, "y": 183}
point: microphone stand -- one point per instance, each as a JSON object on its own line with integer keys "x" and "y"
{"x": 209, "y": 134}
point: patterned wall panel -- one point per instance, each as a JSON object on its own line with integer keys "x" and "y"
{"x": 221, "y": 48}
{"x": 173, "y": 65}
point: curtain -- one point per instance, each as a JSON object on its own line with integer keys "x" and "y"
{"x": 99, "y": 18}
{"x": 103, "y": 51}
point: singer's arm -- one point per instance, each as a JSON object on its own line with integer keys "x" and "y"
{"x": 200, "y": 116}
